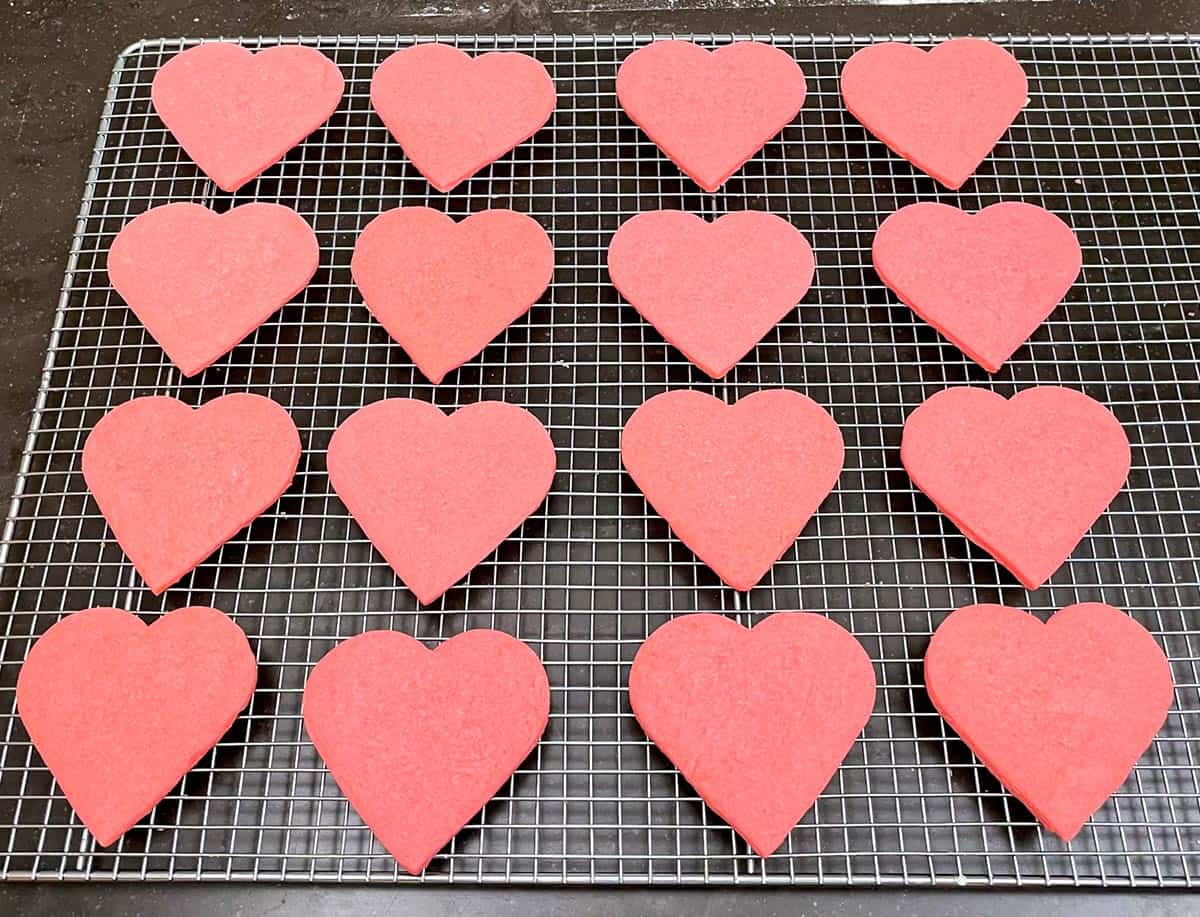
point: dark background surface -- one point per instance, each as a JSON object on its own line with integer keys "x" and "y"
{"x": 56, "y": 59}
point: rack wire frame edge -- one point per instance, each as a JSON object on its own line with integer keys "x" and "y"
{"x": 713, "y": 857}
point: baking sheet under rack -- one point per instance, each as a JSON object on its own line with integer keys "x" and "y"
{"x": 1109, "y": 141}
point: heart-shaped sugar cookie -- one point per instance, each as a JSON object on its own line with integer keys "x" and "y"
{"x": 419, "y": 740}
{"x": 737, "y": 483}
{"x": 1023, "y": 478}
{"x": 237, "y": 113}
{"x": 757, "y": 720}
{"x": 453, "y": 114}
{"x": 443, "y": 289}
{"x": 943, "y": 110}
{"x": 201, "y": 281}
{"x": 711, "y": 289}
{"x": 120, "y": 711}
{"x": 174, "y": 484}
{"x": 1060, "y": 712}
{"x": 435, "y": 493}
{"x": 710, "y": 111}
{"x": 986, "y": 280}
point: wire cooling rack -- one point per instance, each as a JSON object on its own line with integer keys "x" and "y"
{"x": 1109, "y": 141}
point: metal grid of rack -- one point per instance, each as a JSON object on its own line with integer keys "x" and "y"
{"x": 1109, "y": 141}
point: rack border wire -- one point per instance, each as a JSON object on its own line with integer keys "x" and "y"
{"x": 589, "y": 576}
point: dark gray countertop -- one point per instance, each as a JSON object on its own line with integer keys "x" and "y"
{"x": 55, "y": 62}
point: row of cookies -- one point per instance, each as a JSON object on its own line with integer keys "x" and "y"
{"x": 757, "y": 720}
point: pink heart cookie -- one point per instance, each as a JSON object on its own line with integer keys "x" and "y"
{"x": 986, "y": 281}
{"x": 120, "y": 711}
{"x": 442, "y": 289}
{"x": 175, "y": 483}
{"x": 1059, "y": 712}
{"x": 711, "y": 289}
{"x": 237, "y": 113}
{"x": 710, "y": 111}
{"x": 436, "y": 494}
{"x": 1023, "y": 478}
{"x": 453, "y": 114}
{"x": 943, "y": 110}
{"x": 419, "y": 741}
{"x": 202, "y": 281}
{"x": 757, "y": 721}
{"x": 737, "y": 483}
